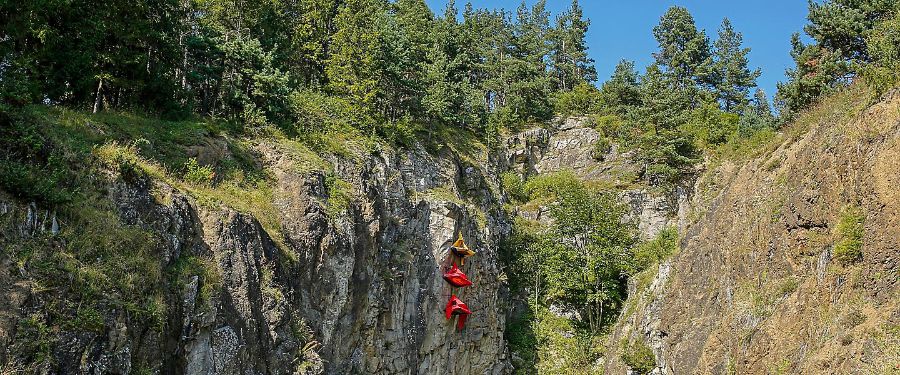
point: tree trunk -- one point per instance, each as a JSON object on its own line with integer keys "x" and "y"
{"x": 98, "y": 97}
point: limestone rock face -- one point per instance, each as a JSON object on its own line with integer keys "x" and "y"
{"x": 369, "y": 280}
{"x": 569, "y": 145}
{"x": 339, "y": 286}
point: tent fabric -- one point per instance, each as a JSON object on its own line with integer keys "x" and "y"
{"x": 456, "y": 277}
{"x": 457, "y": 307}
{"x": 461, "y": 250}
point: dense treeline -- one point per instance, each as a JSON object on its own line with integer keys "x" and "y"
{"x": 396, "y": 67}
{"x": 697, "y": 94}
{"x": 273, "y": 62}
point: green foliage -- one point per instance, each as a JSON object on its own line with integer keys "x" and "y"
{"x": 650, "y": 252}
{"x": 340, "y": 194}
{"x": 842, "y": 25}
{"x": 683, "y": 49}
{"x": 523, "y": 340}
{"x": 588, "y": 231}
{"x": 818, "y": 72}
{"x": 757, "y": 116}
{"x": 196, "y": 174}
{"x": 621, "y": 92}
{"x": 581, "y": 100}
{"x": 638, "y": 356}
{"x": 570, "y": 65}
{"x": 733, "y": 78}
{"x": 564, "y": 347}
{"x": 849, "y": 235}
{"x": 884, "y": 48}
{"x": 601, "y": 148}
{"x": 514, "y": 187}
{"x": 654, "y": 128}
{"x": 207, "y": 272}
{"x": 709, "y": 126}
{"x": 31, "y": 166}
{"x": 848, "y": 36}
{"x": 35, "y": 339}
{"x": 261, "y": 63}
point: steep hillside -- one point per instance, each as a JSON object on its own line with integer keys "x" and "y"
{"x": 263, "y": 257}
{"x": 194, "y": 248}
{"x": 790, "y": 262}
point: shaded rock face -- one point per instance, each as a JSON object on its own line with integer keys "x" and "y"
{"x": 756, "y": 287}
{"x": 357, "y": 289}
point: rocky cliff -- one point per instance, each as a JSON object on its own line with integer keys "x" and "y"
{"x": 569, "y": 145}
{"x": 767, "y": 280}
{"x": 349, "y": 281}
{"x": 340, "y": 270}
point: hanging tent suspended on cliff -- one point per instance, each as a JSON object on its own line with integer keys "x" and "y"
{"x": 456, "y": 277}
{"x": 461, "y": 250}
{"x": 457, "y": 307}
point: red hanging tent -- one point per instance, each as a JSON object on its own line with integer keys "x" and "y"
{"x": 456, "y": 307}
{"x": 456, "y": 277}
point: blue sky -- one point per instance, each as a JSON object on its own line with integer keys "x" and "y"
{"x": 623, "y": 29}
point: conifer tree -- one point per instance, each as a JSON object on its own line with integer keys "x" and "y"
{"x": 733, "y": 77}
{"x": 622, "y": 91}
{"x": 526, "y": 71}
{"x": 568, "y": 50}
{"x": 353, "y": 64}
{"x": 683, "y": 50}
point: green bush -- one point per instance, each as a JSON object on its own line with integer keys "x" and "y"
{"x": 638, "y": 356}
{"x": 553, "y": 184}
{"x": 31, "y": 166}
{"x": 580, "y": 101}
{"x": 709, "y": 126}
{"x": 849, "y": 232}
{"x": 339, "y": 195}
{"x": 649, "y": 252}
{"x": 196, "y": 174}
{"x": 601, "y": 148}
{"x": 514, "y": 186}
{"x": 609, "y": 125}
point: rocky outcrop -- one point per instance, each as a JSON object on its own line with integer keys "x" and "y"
{"x": 350, "y": 285}
{"x": 756, "y": 287}
{"x": 569, "y": 145}
{"x": 374, "y": 293}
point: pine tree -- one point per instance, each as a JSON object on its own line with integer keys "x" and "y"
{"x": 817, "y": 71}
{"x": 841, "y": 25}
{"x": 733, "y": 78}
{"x": 352, "y": 67}
{"x": 683, "y": 50}
{"x": 489, "y": 34}
{"x": 568, "y": 51}
{"x": 839, "y": 28}
{"x": 761, "y": 104}
{"x": 622, "y": 91}
{"x": 757, "y": 116}
{"x": 526, "y": 72}
{"x": 662, "y": 147}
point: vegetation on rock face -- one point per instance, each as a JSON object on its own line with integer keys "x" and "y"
{"x": 184, "y": 91}
{"x": 638, "y": 356}
{"x": 849, "y": 232}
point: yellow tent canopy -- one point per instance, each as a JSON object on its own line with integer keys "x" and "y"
{"x": 461, "y": 250}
